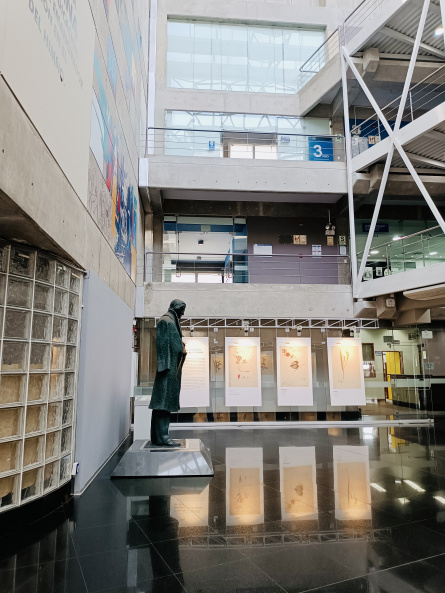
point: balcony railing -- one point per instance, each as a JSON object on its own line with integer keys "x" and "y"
{"x": 243, "y": 268}
{"x": 410, "y": 252}
{"x": 245, "y": 145}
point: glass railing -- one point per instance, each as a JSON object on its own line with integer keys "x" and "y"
{"x": 245, "y": 145}
{"x": 410, "y": 252}
{"x": 243, "y": 268}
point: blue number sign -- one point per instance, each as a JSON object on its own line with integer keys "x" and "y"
{"x": 320, "y": 148}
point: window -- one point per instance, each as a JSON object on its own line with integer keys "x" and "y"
{"x": 368, "y": 361}
{"x": 236, "y": 57}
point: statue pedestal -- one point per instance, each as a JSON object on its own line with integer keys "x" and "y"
{"x": 144, "y": 460}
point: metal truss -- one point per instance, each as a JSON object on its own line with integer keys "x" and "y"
{"x": 395, "y": 144}
{"x": 274, "y": 323}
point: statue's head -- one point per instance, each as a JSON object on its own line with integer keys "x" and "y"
{"x": 178, "y": 307}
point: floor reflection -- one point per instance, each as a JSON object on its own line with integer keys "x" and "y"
{"x": 335, "y": 510}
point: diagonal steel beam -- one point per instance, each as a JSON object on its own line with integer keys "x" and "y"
{"x": 407, "y": 39}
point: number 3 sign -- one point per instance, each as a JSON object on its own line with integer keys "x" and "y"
{"x": 320, "y": 148}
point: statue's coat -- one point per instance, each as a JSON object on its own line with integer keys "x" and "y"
{"x": 171, "y": 356}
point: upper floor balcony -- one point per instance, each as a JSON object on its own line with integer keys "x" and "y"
{"x": 247, "y": 161}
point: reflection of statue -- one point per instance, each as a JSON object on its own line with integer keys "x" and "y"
{"x": 171, "y": 356}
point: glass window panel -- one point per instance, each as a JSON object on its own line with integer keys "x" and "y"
{"x": 216, "y": 57}
{"x": 266, "y": 152}
{"x": 14, "y": 356}
{"x": 66, "y": 440}
{"x": 261, "y": 59}
{"x": 241, "y": 151}
{"x": 10, "y": 456}
{"x": 10, "y": 422}
{"x": 70, "y": 359}
{"x": 35, "y": 419}
{"x": 60, "y": 325}
{"x": 62, "y": 275}
{"x": 39, "y": 359}
{"x": 43, "y": 297}
{"x": 54, "y": 416}
{"x": 69, "y": 384}
{"x": 292, "y": 59}
{"x": 60, "y": 302}
{"x": 56, "y": 386}
{"x": 2, "y": 288}
{"x": 17, "y": 324}
{"x": 45, "y": 269}
{"x": 12, "y": 388}
{"x": 67, "y": 413}
{"x": 234, "y": 58}
{"x": 21, "y": 262}
{"x": 51, "y": 476}
{"x": 31, "y": 484}
{"x": 19, "y": 293}
{"x": 8, "y": 487}
{"x": 37, "y": 387}
{"x": 73, "y": 305}
{"x": 33, "y": 450}
{"x": 180, "y": 42}
{"x": 58, "y": 358}
{"x": 75, "y": 281}
{"x": 52, "y": 446}
{"x": 72, "y": 331}
{"x": 202, "y": 56}
{"x": 41, "y": 327}
{"x": 65, "y": 468}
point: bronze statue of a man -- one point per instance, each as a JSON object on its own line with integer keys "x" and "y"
{"x": 167, "y": 385}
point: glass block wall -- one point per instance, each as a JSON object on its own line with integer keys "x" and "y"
{"x": 39, "y": 336}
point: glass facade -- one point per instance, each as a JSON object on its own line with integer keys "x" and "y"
{"x": 237, "y": 57}
{"x": 39, "y": 337}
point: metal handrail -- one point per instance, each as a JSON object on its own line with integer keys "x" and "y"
{"x": 276, "y": 133}
{"x": 201, "y": 253}
{"x": 403, "y": 238}
{"x": 302, "y": 67}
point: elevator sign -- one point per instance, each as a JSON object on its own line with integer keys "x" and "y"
{"x": 320, "y": 148}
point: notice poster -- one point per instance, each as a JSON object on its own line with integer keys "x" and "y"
{"x": 294, "y": 372}
{"x": 244, "y": 486}
{"x": 298, "y": 484}
{"x": 191, "y": 510}
{"x": 217, "y": 368}
{"x": 346, "y": 379}
{"x": 352, "y": 483}
{"x": 195, "y": 388}
{"x": 243, "y": 372}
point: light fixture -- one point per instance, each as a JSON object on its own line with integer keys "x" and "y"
{"x": 377, "y": 487}
{"x": 374, "y": 252}
{"x": 438, "y": 31}
{"x": 433, "y": 252}
{"x": 192, "y": 329}
{"x": 439, "y": 499}
{"x": 403, "y": 500}
{"x": 413, "y": 485}
{"x": 396, "y": 238}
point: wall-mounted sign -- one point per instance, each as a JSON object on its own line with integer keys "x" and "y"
{"x": 195, "y": 389}
{"x": 342, "y": 239}
{"x": 243, "y": 372}
{"x": 380, "y": 227}
{"x": 262, "y": 249}
{"x": 320, "y": 148}
{"x": 294, "y": 372}
{"x": 346, "y": 379}
{"x": 316, "y": 250}
{"x": 330, "y": 241}
{"x": 300, "y": 239}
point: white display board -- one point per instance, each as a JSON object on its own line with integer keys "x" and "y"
{"x": 346, "y": 379}
{"x": 46, "y": 57}
{"x": 191, "y": 510}
{"x": 294, "y": 372}
{"x": 243, "y": 372}
{"x": 195, "y": 388}
{"x": 298, "y": 483}
{"x": 244, "y": 486}
{"x": 351, "y": 483}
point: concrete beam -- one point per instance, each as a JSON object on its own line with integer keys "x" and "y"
{"x": 371, "y": 59}
{"x": 415, "y": 316}
{"x": 375, "y": 177}
{"x": 426, "y": 161}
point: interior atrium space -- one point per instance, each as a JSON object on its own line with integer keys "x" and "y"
{"x": 222, "y": 296}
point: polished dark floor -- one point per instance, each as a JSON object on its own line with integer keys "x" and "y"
{"x": 338, "y": 510}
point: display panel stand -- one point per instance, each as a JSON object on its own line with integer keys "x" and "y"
{"x": 144, "y": 460}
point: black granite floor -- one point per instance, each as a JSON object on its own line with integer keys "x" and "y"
{"x": 338, "y": 510}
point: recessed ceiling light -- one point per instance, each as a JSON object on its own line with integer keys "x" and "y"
{"x": 374, "y": 252}
{"x": 396, "y": 238}
{"x": 438, "y": 31}
{"x": 433, "y": 252}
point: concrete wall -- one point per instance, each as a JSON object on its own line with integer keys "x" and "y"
{"x": 248, "y": 175}
{"x": 103, "y": 401}
{"x": 251, "y": 300}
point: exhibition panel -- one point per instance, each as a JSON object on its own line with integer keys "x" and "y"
{"x": 40, "y": 304}
{"x": 267, "y": 370}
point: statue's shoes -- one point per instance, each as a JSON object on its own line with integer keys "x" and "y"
{"x": 169, "y": 443}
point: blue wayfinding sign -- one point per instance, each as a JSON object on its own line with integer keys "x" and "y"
{"x": 320, "y": 148}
